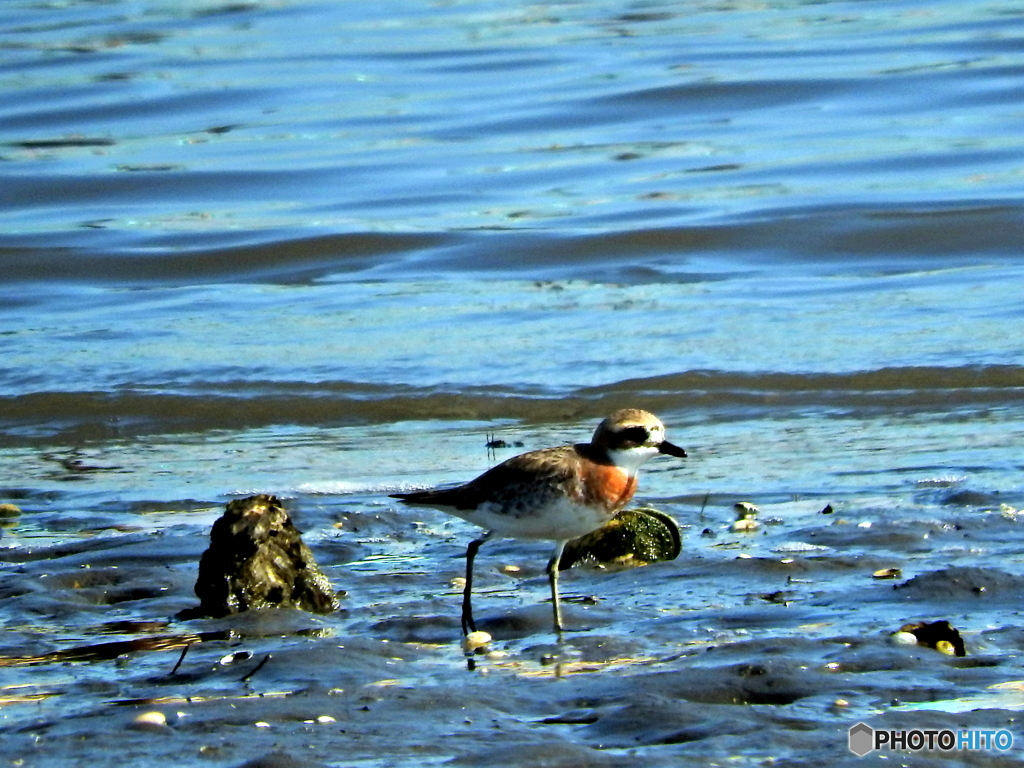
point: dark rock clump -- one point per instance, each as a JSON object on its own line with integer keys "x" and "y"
{"x": 940, "y": 635}
{"x": 257, "y": 559}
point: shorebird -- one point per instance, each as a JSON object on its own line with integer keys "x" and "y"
{"x": 553, "y": 493}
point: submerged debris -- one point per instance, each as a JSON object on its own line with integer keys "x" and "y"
{"x": 9, "y": 514}
{"x": 746, "y": 514}
{"x": 940, "y": 635}
{"x": 634, "y": 537}
{"x": 257, "y": 559}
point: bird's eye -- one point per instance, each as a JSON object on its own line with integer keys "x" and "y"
{"x": 632, "y": 436}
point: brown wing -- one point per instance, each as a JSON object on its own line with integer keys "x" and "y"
{"x": 506, "y": 483}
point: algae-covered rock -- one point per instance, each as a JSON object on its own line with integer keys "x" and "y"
{"x": 257, "y": 559}
{"x": 633, "y": 537}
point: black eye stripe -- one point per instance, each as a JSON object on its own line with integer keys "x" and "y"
{"x": 629, "y": 437}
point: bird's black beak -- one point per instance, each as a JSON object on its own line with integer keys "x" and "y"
{"x": 671, "y": 450}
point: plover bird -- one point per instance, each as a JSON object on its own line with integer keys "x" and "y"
{"x": 554, "y": 493}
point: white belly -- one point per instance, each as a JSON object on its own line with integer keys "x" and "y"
{"x": 558, "y": 519}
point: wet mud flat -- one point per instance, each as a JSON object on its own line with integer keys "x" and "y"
{"x": 760, "y": 643}
{"x": 274, "y": 245}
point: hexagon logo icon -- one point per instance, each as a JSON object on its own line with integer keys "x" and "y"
{"x": 862, "y": 739}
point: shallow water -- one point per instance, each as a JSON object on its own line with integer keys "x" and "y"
{"x": 326, "y": 250}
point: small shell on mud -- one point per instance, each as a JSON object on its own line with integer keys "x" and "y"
{"x": 149, "y": 721}
{"x": 474, "y": 641}
{"x": 887, "y": 573}
{"x": 1010, "y": 513}
{"x": 235, "y": 657}
{"x": 634, "y": 537}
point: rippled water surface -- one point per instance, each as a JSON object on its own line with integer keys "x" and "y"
{"x": 329, "y": 249}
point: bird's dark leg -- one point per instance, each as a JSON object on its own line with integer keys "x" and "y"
{"x": 468, "y": 625}
{"x": 553, "y": 564}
